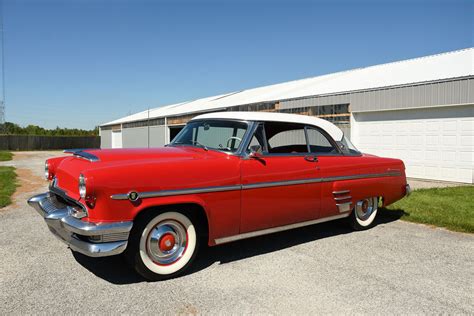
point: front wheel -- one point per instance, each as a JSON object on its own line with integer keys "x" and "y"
{"x": 163, "y": 246}
{"x": 364, "y": 213}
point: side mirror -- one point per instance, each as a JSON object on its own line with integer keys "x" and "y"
{"x": 255, "y": 152}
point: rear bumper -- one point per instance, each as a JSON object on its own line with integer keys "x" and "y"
{"x": 90, "y": 239}
{"x": 407, "y": 190}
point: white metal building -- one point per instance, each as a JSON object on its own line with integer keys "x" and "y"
{"x": 420, "y": 110}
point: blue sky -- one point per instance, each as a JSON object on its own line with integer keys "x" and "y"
{"x": 80, "y": 63}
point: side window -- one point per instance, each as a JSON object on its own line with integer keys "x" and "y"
{"x": 285, "y": 138}
{"x": 319, "y": 143}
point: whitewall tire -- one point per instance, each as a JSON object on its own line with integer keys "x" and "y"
{"x": 163, "y": 245}
{"x": 364, "y": 213}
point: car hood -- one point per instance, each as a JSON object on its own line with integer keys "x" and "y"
{"x": 116, "y": 155}
{"x": 68, "y": 169}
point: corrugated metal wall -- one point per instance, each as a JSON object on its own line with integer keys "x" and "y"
{"x": 432, "y": 94}
{"x": 106, "y": 138}
{"x": 442, "y": 93}
{"x": 135, "y": 137}
{"x": 157, "y": 136}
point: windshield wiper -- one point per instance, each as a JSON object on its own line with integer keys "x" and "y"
{"x": 195, "y": 142}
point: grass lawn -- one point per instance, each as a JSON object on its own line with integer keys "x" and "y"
{"x": 7, "y": 185}
{"x": 5, "y": 155}
{"x": 452, "y": 208}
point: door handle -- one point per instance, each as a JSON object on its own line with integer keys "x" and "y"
{"x": 311, "y": 158}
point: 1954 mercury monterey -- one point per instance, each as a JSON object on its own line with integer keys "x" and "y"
{"x": 226, "y": 176}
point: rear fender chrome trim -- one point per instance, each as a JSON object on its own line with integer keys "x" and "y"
{"x": 344, "y": 207}
{"x": 341, "y": 192}
{"x": 267, "y": 231}
{"x": 343, "y": 198}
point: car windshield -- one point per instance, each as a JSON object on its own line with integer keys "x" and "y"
{"x": 212, "y": 134}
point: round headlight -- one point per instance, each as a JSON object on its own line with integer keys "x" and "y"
{"x": 82, "y": 186}
{"x": 46, "y": 170}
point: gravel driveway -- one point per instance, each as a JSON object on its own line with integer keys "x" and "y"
{"x": 396, "y": 267}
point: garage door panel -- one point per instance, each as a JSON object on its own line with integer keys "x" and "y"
{"x": 435, "y": 143}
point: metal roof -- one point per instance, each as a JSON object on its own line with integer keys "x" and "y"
{"x": 424, "y": 69}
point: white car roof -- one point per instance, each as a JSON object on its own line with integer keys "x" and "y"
{"x": 334, "y": 131}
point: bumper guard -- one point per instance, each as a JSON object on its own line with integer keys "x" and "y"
{"x": 78, "y": 235}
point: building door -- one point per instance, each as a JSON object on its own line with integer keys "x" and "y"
{"x": 117, "y": 139}
{"x": 434, "y": 143}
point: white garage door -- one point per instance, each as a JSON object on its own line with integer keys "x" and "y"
{"x": 117, "y": 139}
{"x": 434, "y": 143}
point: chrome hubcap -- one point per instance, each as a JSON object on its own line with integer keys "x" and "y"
{"x": 365, "y": 208}
{"x": 166, "y": 242}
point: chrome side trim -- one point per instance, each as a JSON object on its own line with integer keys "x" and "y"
{"x": 341, "y": 192}
{"x": 343, "y": 198}
{"x": 344, "y": 207}
{"x": 144, "y": 195}
{"x": 82, "y": 154}
{"x": 151, "y": 194}
{"x": 363, "y": 176}
{"x": 280, "y": 183}
{"x": 272, "y": 230}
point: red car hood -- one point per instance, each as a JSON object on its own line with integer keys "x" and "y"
{"x": 68, "y": 169}
{"x": 113, "y": 155}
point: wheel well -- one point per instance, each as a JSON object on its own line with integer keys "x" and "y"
{"x": 195, "y": 212}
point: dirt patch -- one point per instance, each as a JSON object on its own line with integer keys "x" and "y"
{"x": 25, "y": 155}
{"x": 27, "y": 183}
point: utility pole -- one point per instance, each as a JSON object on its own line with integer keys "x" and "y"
{"x": 148, "y": 129}
{"x": 2, "y": 62}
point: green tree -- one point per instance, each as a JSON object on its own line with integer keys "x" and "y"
{"x": 10, "y": 128}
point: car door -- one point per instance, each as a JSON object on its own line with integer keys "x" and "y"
{"x": 331, "y": 163}
{"x": 280, "y": 186}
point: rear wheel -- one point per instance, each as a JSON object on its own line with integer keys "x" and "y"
{"x": 163, "y": 246}
{"x": 364, "y": 213}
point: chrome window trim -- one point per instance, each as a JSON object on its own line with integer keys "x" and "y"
{"x": 259, "y": 185}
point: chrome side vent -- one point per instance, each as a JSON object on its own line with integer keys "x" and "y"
{"x": 343, "y": 200}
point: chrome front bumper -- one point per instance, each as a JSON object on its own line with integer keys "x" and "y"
{"x": 90, "y": 239}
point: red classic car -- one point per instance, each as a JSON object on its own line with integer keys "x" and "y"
{"x": 226, "y": 176}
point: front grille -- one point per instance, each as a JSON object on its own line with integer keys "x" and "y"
{"x": 115, "y": 237}
{"x": 104, "y": 238}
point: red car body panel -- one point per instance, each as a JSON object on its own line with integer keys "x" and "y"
{"x": 230, "y": 212}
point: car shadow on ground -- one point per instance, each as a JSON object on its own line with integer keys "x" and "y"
{"x": 115, "y": 270}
